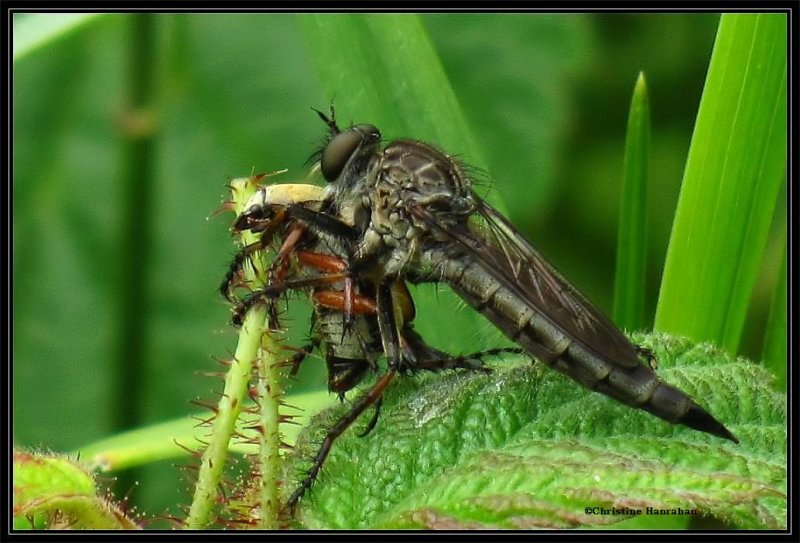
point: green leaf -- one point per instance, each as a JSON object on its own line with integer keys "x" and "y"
{"x": 56, "y": 492}
{"x": 733, "y": 175}
{"x": 524, "y": 447}
{"x": 629, "y": 280}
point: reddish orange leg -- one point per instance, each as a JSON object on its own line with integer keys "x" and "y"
{"x": 330, "y": 264}
{"x": 337, "y": 300}
{"x": 270, "y": 292}
{"x": 280, "y": 268}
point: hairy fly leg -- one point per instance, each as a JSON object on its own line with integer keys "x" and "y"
{"x": 264, "y": 225}
{"x": 269, "y": 293}
{"x": 370, "y": 398}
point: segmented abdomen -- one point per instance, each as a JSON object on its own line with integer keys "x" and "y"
{"x": 637, "y": 386}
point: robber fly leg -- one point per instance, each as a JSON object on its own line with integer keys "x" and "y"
{"x": 299, "y": 357}
{"x": 330, "y": 264}
{"x": 347, "y": 310}
{"x": 280, "y": 266}
{"x": 374, "y": 420}
{"x": 474, "y": 361}
{"x": 387, "y": 324}
{"x": 431, "y": 359}
{"x": 301, "y": 354}
{"x": 227, "y": 285}
{"x": 648, "y": 355}
{"x": 370, "y": 398}
{"x": 270, "y": 292}
{"x": 266, "y": 227}
{"x": 330, "y": 225}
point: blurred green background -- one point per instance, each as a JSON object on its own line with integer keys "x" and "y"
{"x": 116, "y": 308}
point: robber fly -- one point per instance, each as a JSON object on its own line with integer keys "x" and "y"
{"x": 345, "y": 314}
{"x": 419, "y": 219}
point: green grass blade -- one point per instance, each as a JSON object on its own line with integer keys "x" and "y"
{"x": 775, "y": 356}
{"x": 166, "y": 440}
{"x": 733, "y": 174}
{"x": 35, "y": 30}
{"x": 384, "y": 70}
{"x": 629, "y": 281}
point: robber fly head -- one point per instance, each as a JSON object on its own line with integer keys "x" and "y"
{"x": 349, "y": 151}
{"x": 346, "y": 152}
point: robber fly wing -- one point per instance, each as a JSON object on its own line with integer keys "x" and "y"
{"x": 506, "y": 255}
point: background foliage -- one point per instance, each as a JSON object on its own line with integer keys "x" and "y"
{"x": 546, "y": 98}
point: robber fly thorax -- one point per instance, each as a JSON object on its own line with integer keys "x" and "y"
{"x": 419, "y": 219}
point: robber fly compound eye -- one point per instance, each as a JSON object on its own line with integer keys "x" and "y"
{"x": 343, "y": 147}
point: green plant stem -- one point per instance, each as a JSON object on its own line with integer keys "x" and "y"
{"x": 249, "y": 354}
{"x": 136, "y": 234}
{"x": 629, "y": 281}
{"x": 269, "y": 460}
{"x": 228, "y": 409}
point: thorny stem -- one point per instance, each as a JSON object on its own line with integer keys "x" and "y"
{"x": 253, "y": 343}
{"x": 228, "y": 409}
{"x": 269, "y": 437}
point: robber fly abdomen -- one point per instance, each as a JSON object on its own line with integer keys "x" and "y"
{"x": 636, "y": 385}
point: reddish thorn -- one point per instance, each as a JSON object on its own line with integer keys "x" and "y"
{"x": 290, "y": 406}
{"x": 257, "y": 427}
{"x": 206, "y": 422}
{"x": 282, "y": 420}
{"x": 205, "y": 404}
{"x": 226, "y": 206}
{"x": 210, "y": 373}
{"x": 185, "y": 448}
